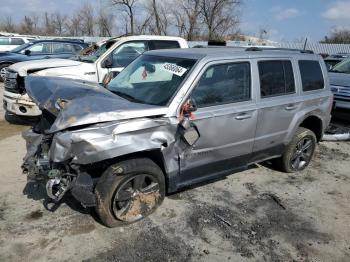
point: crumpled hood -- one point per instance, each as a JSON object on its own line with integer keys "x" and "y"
{"x": 83, "y": 102}
{"x": 339, "y": 79}
{"x": 22, "y": 68}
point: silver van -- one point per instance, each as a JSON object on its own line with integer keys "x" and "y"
{"x": 171, "y": 119}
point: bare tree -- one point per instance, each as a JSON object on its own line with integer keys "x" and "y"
{"x": 220, "y": 16}
{"x": 29, "y": 25}
{"x": 59, "y": 23}
{"x": 340, "y": 36}
{"x": 73, "y": 25}
{"x": 105, "y": 23}
{"x": 8, "y": 25}
{"x": 87, "y": 18}
{"x": 48, "y": 27}
{"x": 142, "y": 27}
{"x": 160, "y": 13}
{"x": 127, "y": 6}
{"x": 187, "y": 14}
{"x": 158, "y": 23}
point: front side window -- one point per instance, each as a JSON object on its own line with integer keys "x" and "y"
{"x": 311, "y": 75}
{"x": 92, "y": 53}
{"x": 342, "y": 67}
{"x": 276, "y": 78}
{"x": 41, "y": 48}
{"x": 152, "y": 80}
{"x": 128, "y": 52}
{"x": 222, "y": 84}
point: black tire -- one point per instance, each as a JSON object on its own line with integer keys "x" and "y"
{"x": 303, "y": 147}
{"x": 2, "y": 66}
{"x": 120, "y": 200}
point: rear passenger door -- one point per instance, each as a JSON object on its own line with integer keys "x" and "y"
{"x": 226, "y": 120}
{"x": 277, "y": 106}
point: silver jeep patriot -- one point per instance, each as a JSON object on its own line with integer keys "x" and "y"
{"x": 171, "y": 119}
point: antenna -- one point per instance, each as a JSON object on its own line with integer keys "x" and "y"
{"x": 305, "y": 43}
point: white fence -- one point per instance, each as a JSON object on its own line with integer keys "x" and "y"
{"x": 316, "y": 47}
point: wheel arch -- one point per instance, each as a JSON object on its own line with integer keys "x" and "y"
{"x": 154, "y": 154}
{"x": 315, "y": 124}
{"x": 6, "y": 62}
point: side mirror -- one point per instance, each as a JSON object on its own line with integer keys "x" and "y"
{"x": 188, "y": 130}
{"x": 27, "y": 52}
{"x": 107, "y": 78}
{"x": 188, "y": 108}
{"x": 108, "y": 62}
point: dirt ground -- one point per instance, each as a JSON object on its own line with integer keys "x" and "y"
{"x": 256, "y": 215}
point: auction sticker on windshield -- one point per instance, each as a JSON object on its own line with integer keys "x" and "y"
{"x": 174, "y": 69}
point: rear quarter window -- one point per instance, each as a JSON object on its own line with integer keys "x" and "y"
{"x": 276, "y": 78}
{"x": 154, "y": 45}
{"x": 311, "y": 75}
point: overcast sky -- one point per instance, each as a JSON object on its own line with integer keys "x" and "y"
{"x": 282, "y": 19}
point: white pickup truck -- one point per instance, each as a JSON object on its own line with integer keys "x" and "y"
{"x": 111, "y": 57}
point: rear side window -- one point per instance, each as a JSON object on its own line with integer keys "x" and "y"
{"x": 4, "y": 41}
{"x": 59, "y": 48}
{"x": 276, "y": 78}
{"x": 223, "y": 84}
{"x": 153, "y": 45}
{"x": 311, "y": 75}
{"x": 17, "y": 41}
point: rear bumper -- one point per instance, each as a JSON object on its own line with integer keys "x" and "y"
{"x": 20, "y": 105}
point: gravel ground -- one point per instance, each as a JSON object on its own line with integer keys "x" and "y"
{"x": 256, "y": 215}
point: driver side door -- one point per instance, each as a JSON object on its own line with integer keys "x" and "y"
{"x": 226, "y": 119}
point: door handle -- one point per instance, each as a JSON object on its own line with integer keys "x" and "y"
{"x": 243, "y": 116}
{"x": 290, "y": 107}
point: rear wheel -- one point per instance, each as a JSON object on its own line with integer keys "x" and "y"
{"x": 129, "y": 191}
{"x": 299, "y": 152}
{"x": 3, "y": 71}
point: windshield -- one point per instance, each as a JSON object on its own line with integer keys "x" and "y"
{"x": 342, "y": 67}
{"x": 151, "y": 80}
{"x": 21, "y": 48}
{"x": 92, "y": 53}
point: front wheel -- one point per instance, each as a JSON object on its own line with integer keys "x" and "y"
{"x": 129, "y": 191}
{"x": 3, "y": 71}
{"x": 299, "y": 152}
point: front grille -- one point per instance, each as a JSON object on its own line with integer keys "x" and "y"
{"x": 13, "y": 83}
{"x": 342, "y": 91}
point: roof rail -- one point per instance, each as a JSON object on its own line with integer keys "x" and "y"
{"x": 279, "y": 49}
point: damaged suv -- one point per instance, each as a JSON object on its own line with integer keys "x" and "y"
{"x": 171, "y": 119}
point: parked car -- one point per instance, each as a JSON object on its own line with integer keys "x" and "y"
{"x": 110, "y": 58}
{"x": 7, "y": 43}
{"x": 332, "y": 60}
{"x": 339, "y": 77}
{"x": 39, "y": 49}
{"x": 171, "y": 119}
